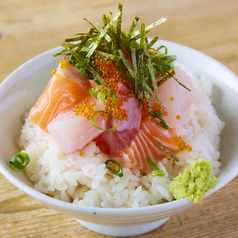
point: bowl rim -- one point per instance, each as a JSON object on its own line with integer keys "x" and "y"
{"x": 106, "y": 211}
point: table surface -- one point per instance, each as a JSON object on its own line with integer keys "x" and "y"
{"x": 28, "y": 28}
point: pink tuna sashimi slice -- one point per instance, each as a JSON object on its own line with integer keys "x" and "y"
{"x": 72, "y": 133}
{"x": 176, "y": 99}
{"x": 120, "y": 138}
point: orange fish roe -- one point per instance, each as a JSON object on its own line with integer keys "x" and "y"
{"x": 81, "y": 153}
{"x": 144, "y": 109}
{"x": 104, "y": 115}
{"x": 85, "y": 109}
{"x": 157, "y": 107}
{"x": 220, "y": 160}
{"x": 178, "y": 117}
{"x": 110, "y": 75}
{"x": 108, "y": 70}
{"x": 116, "y": 109}
{"x": 61, "y": 62}
{"x": 112, "y": 166}
{"x": 179, "y": 142}
{"x": 171, "y": 99}
{"x": 53, "y": 72}
{"x": 152, "y": 134}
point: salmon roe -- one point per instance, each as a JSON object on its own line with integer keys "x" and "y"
{"x": 116, "y": 109}
{"x": 62, "y": 63}
{"x": 111, "y": 77}
{"x": 144, "y": 109}
{"x": 85, "y": 109}
{"x": 113, "y": 166}
{"x": 179, "y": 142}
{"x": 157, "y": 107}
{"x": 53, "y": 72}
{"x": 152, "y": 134}
{"x": 108, "y": 70}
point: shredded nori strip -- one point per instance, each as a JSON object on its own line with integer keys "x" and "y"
{"x": 167, "y": 151}
{"x": 135, "y": 61}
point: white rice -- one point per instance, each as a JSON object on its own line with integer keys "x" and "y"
{"x": 84, "y": 180}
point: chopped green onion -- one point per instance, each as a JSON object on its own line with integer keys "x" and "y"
{"x": 156, "y": 171}
{"x": 19, "y": 161}
{"x": 114, "y": 167}
{"x": 102, "y": 96}
{"x": 93, "y": 92}
{"x": 159, "y": 172}
{"x": 93, "y": 123}
{"x": 162, "y": 46}
{"x": 162, "y": 123}
{"x": 156, "y": 114}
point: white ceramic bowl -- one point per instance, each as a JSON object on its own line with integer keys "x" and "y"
{"x": 20, "y": 90}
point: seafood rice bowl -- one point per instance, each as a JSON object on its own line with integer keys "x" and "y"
{"x": 83, "y": 179}
{"x": 118, "y": 130}
{"x": 121, "y": 124}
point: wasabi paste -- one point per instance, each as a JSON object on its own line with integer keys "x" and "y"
{"x": 194, "y": 182}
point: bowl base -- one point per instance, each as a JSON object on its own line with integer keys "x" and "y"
{"x": 123, "y": 230}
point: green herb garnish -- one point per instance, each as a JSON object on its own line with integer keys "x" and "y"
{"x": 93, "y": 92}
{"x": 136, "y": 61}
{"x": 110, "y": 129}
{"x": 19, "y": 161}
{"x": 156, "y": 171}
{"x": 114, "y": 167}
{"x": 162, "y": 123}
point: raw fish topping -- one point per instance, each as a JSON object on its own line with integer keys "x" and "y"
{"x": 119, "y": 92}
{"x": 117, "y": 106}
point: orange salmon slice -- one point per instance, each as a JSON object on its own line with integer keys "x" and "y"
{"x": 65, "y": 90}
{"x": 144, "y": 146}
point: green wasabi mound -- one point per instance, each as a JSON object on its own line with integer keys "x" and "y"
{"x": 194, "y": 182}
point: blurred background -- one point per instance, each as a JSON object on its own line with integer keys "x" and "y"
{"x": 28, "y": 28}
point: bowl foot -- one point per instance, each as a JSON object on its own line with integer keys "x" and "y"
{"x": 123, "y": 230}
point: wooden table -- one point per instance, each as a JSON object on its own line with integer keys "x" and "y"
{"x": 28, "y": 28}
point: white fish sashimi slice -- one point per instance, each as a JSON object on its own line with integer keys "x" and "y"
{"x": 176, "y": 99}
{"x": 72, "y": 133}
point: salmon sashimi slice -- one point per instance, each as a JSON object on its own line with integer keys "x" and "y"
{"x": 176, "y": 99}
{"x": 73, "y": 132}
{"x": 66, "y": 89}
{"x": 144, "y": 146}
